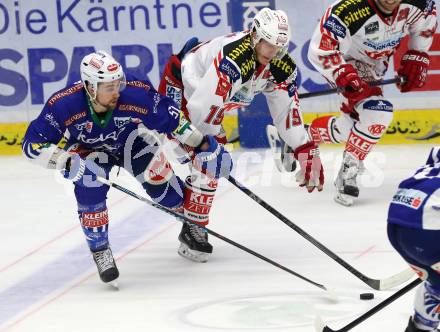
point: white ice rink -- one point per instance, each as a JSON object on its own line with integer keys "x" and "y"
{"x": 48, "y": 282}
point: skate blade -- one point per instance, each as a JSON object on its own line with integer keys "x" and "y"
{"x": 343, "y": 199}
{"x": 113, "y": 285}
{"x": 193, "y": 255}
{"x": 275, "y": 146}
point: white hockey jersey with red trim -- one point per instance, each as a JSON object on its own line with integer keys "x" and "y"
{"x": 222, "y": 74}
{"x": 356, "y": 32}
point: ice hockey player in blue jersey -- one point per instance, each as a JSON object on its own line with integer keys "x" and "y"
{"x": 414, "y": 231}
{"x": 110, "y": 121}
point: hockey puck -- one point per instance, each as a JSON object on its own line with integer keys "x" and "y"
{"x": 366, "y": 296}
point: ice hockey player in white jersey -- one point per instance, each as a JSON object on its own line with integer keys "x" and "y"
{"x": 351, "y": 47}
{"x": 414, "y": 231}
{"x": 210, "y": 78}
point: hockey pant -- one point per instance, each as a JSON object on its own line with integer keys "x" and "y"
{"x": 149, "y": 166}
{"x": 420, "y": 249}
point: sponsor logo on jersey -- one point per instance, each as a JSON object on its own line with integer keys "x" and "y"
{"x": 223, "y": 87}
{"x": 138, "y": 84}
{"x": 247, "y": 65}
{"x": 376, "y": 129}
{"x": 241, "y": 98}
{"x": 403, "y": 14}
{"x": 327, "y": 43}
{"x": 174, "y": 93}
{"x": 88, "y": 125}
{"x": 333, "y": 25}
{"x": 240, "y": 49}
{"x": 430, "y": 5}
{"x": 74, "y": 118}
{"x": 114, "y": 135}
{"x": 65, "y": 93}
{"x": 345, "y": 4}
{"x": 291, "y": 89}
{"x": 283, "y": 65}
{"x": 378, "y": 105}
{"x": 229, "y": 69}
{"x": 352, "y": 15}
{"x": 372, "y": 28}
{"x": 51, "y": 119}
{"x": 133, "y": 108}
{"x": 122, "y": 121}
{"x": 382, "y": 45}
{"x": 411, "y": 198}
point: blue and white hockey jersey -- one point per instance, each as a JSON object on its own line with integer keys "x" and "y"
{"x": 68, "y": 114}
{"x": 416, "y": 203}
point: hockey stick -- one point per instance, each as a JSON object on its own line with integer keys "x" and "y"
{"x": 337, "y": 90}
{"x": 319, "y": 325}
{"x": 217, "y": 235}
{"x": 378, "y": 284}
{"x": 329, "y": 92}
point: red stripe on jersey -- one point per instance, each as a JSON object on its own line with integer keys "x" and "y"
{"x": 324, "y": 19}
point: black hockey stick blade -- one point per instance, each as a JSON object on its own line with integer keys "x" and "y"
{"x": 321, "y": 327}
{"x": 337, "y": 90}
{"x": 217, "y": 235}
{"x": 378, "y": 284}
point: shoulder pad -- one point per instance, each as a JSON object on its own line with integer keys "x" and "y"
{"x": 64, "y": 93}
{"x": 421, "y": 4}
{"x": 283, "y": 68}
{"x": 240, "y": 54}
{"x": 353, "y": 13}
{"x": 139, "y": 84}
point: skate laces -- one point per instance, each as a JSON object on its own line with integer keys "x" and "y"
{"x": 351, "y": 168}
{"x": 104, "y": 259}
{"x": 198, "y": 233}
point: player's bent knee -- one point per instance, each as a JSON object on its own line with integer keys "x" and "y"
{"x": 375, "y": 115}
{"x": 168, "y": 194}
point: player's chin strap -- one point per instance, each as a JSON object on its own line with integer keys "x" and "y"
{"x": 378, "y": 284}
{"x": 211, "y": 232}
{"x": 321, "y": 327}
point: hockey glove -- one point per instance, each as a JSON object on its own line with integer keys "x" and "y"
{"x": 353, "y": 87}
{"x": 414, "y": 70}
{"x": 82, "y": 172}
{"x": 311, "y": 174}
{"x": 212, "y": 159}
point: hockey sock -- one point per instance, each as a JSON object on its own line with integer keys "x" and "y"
{"x": 94, "y": 222}
{"x": 321, "y": 130}
{"x": 199, "y": 195}
{"x": 427, "y": 304}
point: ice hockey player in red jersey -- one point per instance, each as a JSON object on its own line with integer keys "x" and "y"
{"x": 351, "y": 47}
{"x": 210, "y": 78}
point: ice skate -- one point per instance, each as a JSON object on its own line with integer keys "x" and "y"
{"x": 107, "y": 269}
{"x": 346, "y": 186}
{"x": 194, "y": 243}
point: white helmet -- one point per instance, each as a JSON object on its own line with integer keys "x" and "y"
{"x": 272, "y": 26}
{"x": 100, "y": 67}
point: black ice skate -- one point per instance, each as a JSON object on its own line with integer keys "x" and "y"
{"x": 108, "y": 272}
{"x": 412, "y": 327}
{"x": 346, "y": 186}
{"x": 194, "y": 243}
